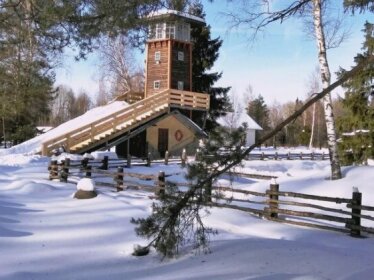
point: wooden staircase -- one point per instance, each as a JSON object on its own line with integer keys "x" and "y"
{"x": 104, "y": 129}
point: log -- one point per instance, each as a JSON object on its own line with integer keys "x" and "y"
{"x": 313, "y": 197}
{"x": 361, "y": 207}
{"x": 305, "y": 224}
{"x": 235, "y": 207}
{"x": 308, "y": 215}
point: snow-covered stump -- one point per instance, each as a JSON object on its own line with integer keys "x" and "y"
{"x": 85, "y": 189}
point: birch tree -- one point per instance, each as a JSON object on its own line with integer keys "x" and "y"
{"x": 259, "y": 14}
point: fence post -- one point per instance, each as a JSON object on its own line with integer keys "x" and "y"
{"x": 312, "y": 156}
{"x": 88, "y": 171}
{"x": 323, "y": 155}
{"x": 208, "y": 192}
{"x": 149, "y": 159}
{"x": 161, "y": 184}
{"x": 183, "y": 158}
{"x": 166, "y": 157}
{"x": 288, "y": 156}
{"x": 65, "y": 171}
{"x": 274, "y": 187}
{"x": 53, "y": 171}
{"x": 262, "y": 156}
{"x": 276, "y": 155}
{"x": 119, "y": 179}
{"x": 128, "y": 164}
{"x": 105, "y": 163}
{"x": 84, "y": 163}
{"x": 301, "y": 155}
{"x": 356, "y": 221}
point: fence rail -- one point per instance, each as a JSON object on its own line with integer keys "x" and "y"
{"x": 344, "y": 215}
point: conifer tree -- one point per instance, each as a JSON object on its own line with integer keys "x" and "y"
{"x": 358, "y": 125}
{"x": 204, "y": 55}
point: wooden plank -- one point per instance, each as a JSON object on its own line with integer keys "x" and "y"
{"x": 305, "y": 224}
{"x": 313, "y": 197}
{"x": 309, "y": 215}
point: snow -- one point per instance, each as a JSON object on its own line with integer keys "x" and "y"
{"x": 236, "y": 119}
{"x": 86, "y": 184}
{"x": 46, "y": 234}
{"x": 33, "y": 146}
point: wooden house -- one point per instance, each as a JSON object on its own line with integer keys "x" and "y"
{"x": 161, "y": 119}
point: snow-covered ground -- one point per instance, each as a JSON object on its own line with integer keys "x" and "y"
{"x": 47, "y": 234}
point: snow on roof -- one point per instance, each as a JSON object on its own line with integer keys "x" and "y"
{"x": 164, "y": 12}
{"x": 33, "y": 145}
{"x": 236, "y": 119}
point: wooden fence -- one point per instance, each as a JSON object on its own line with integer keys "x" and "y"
{"x": 273, "y": 204}
{"x": 289, "y": 156}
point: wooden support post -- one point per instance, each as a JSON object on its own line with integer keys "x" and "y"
{"x": 53, "y": 172}
{"x": 149, "y": 159}
{"x": 274, "y": 187}
{"x": 166, "y": 157}
{"x": 161, "y": 184}
{"x": 198, "y": 155}
{"x": 64, "y": 174}
{"x": 105, "y": 163}
{"x": 183, "y": 158}
{"x": 88, "y": 171}
{"x": 119, "y": 179}
{"x": 128, "y": 164}
{"x": 356, "y": 221}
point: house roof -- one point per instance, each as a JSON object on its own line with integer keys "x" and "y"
{"x": 163, "y": 13}
{"x": 236, "y": 119}
{"x": 189, "y": 124}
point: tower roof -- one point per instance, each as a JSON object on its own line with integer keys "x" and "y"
{"x": 165, "y": 13}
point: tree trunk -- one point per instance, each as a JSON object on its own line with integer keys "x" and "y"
{"x": 326, "y": 78}
{"x": 312, "y": 129}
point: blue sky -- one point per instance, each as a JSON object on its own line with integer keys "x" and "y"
{"x": 277, "y": 64}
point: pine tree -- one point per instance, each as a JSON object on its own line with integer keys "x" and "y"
{"x": 258, "y": 111}
{"x": 205, "y": 53}
{"x": 358, "y": 125}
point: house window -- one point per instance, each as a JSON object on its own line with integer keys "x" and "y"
{"x": 180, "y": 85}
{"x": 181, "y": 56}
{"x": 156, "y": 84}
{"x": 157, "y": 56}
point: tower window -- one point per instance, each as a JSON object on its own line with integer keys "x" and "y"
{"x": 180, "y": 85}
{"x": 156, "y": 84}
{"x": 157, "y": 56}
{"x": 181, "y": 56}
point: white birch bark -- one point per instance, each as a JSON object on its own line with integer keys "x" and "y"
{"x": 312, "y": 129}
{"x": 326, "y": 79}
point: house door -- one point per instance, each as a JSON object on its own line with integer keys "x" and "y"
{"x": 163, "y": 141}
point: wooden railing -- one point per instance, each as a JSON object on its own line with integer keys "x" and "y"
{"x": 125, "y": 118}
{"x": 342, "y": 214}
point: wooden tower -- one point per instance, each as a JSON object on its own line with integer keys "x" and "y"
{"x": 169, "y": 52}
